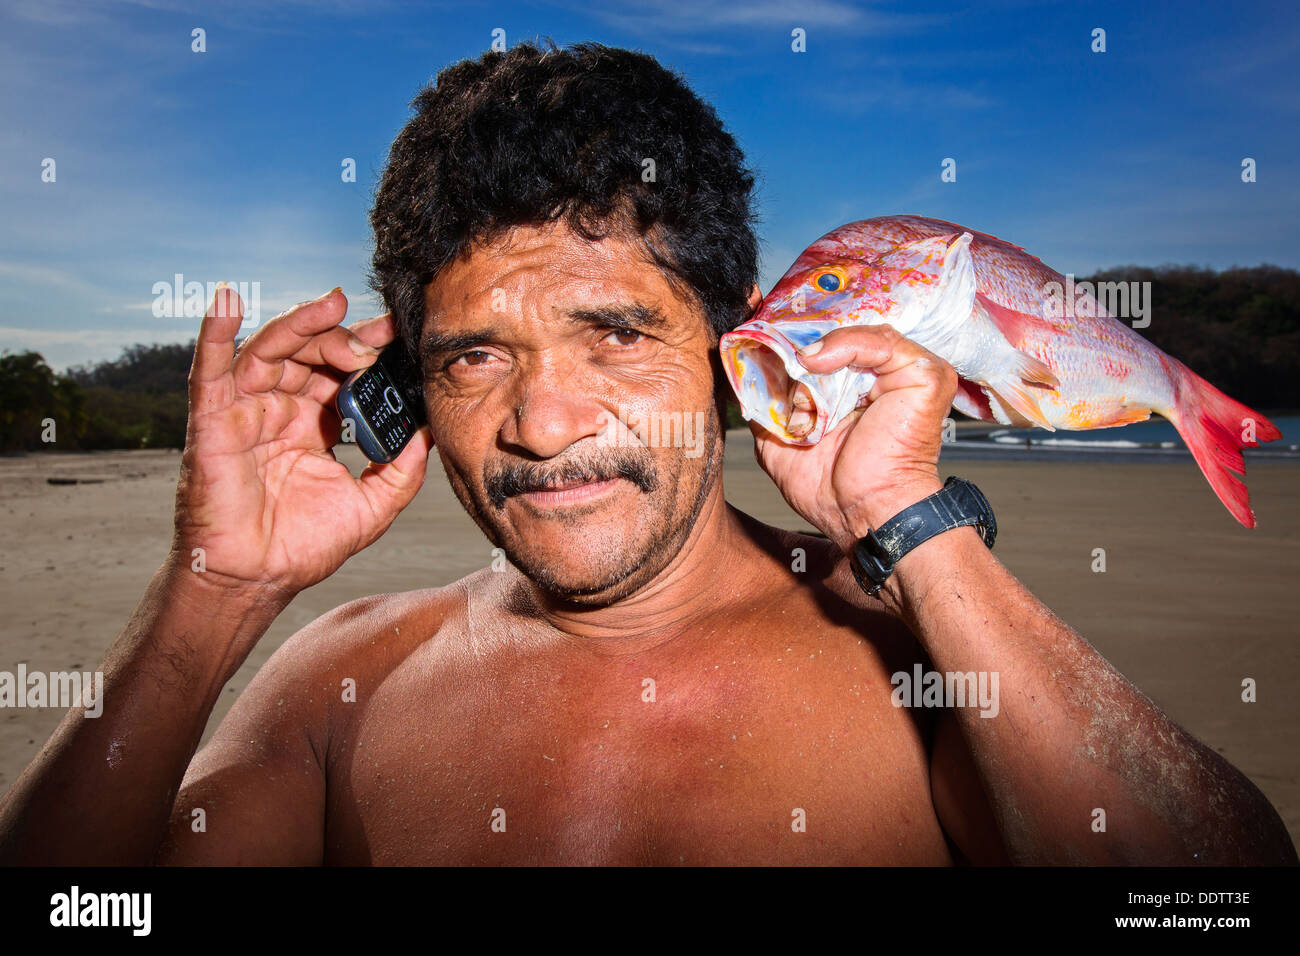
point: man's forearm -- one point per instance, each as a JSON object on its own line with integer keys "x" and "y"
{"x": 1071, "y": 735}
{"x": 101, "y": 789}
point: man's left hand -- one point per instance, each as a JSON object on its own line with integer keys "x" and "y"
{"x": 885, "y": 455}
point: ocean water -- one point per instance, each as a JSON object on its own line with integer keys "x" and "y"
{"x": 1154, "y": 434}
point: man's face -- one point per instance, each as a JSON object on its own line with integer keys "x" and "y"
{"x": 571, "y": 394}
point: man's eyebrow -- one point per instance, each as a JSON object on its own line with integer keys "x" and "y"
{"x": 633, "y": 316}
{"x": 440, "y": 343}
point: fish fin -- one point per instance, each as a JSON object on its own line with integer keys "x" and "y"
{"x": 1013, "y": 417}
{"x": 1021, "y": 399}
{"x": 1003, "y": 413}
{"x": 1213, "y": 425}
{"x": 1129, "y": 416}
{"x": 971, "y": 400}
{"x": 1027, "y": 374}
{"x": 1015, "y": 326}
{"x": 1036, "y": 373}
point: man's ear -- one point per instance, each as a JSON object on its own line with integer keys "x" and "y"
{"x": 755, "y": 297}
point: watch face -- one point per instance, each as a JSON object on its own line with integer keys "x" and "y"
{"x": 864, "y": 582}
{"x": 971, "y": 501}
{"x": 870, "y": 559}
{"x": 878, "y": 551}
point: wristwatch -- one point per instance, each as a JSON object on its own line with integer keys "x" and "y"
{"x": 958, "y": 504}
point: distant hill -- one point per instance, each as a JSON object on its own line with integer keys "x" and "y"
{"x": 1239, "y": 328}
{"x": 149, "y": 369}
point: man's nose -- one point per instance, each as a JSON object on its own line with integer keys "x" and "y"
{"x": 550, "y": 411}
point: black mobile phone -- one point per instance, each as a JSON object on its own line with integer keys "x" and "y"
{"x": 384, "y": 402}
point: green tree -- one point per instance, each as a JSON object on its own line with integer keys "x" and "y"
{"x": 30, "y": 393}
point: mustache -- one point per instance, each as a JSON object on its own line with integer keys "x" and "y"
{"x": 517, "y": 478}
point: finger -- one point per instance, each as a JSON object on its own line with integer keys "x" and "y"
{"x": 875, "y": 348}
{"x": 339, "y": 348}
{"x": 304, "y": 379}
{"x": 294, "y": 377}
{"x": 260, "y": 360}
{"x": 390, "y": 487}
{"x": 254, "y": 375}
{"x": 211, "y": 383}
{"x": 802, "y": 415}
{"x": 284, "y": 335}
{"x": 377, "y": 331}
{"x": 322, "y": 386}
{"x": 336, "y": 348}
{"x": 925, "y": 371}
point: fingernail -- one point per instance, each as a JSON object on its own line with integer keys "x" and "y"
{"x": 812, "y": 348}
{"x": 360, "y": 348}
{"x": 800, "y": 423}
{"x": 220, "y": 306}
{"x": 337, "y": 288}
{"x": 801, "y": 398}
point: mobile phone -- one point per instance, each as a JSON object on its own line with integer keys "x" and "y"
{"x": 384, "y": 402}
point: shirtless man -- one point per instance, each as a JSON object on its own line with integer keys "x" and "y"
{"x": 649, "y": 682}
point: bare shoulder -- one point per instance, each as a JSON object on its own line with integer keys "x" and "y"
{"x": 366, "y": 639}
{"x": 377, "y": 628}
{"x": 300, "y": 690}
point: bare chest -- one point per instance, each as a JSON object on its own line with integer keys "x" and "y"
{"x": 791, "y": 757}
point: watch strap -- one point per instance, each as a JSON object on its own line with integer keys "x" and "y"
{"x": 958, "y": 504}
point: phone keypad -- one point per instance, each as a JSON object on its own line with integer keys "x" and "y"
{"x": 384, "y": 408}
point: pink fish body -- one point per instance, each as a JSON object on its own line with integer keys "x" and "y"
{"x": 1028, "y": 350}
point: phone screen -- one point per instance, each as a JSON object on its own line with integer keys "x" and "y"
{"x": 384, "y": 403}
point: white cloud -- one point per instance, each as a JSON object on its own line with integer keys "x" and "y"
{"x": 44, "y": 275}
{"x": 667, "y": 17}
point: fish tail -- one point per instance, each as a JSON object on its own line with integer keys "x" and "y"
{"x": 1216, "y": 428}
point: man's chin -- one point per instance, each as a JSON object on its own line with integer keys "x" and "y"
{"x": 596, "y": 581}
{"x": 590, "y": 552}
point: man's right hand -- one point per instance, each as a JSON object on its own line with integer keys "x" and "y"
{"x": 260, "y": 491}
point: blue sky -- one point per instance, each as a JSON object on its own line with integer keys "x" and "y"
{"x": 226, "y": 164}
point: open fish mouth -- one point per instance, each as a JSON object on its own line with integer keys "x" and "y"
{"x": 923, "y": 288}
{"x": 761, "y": 361}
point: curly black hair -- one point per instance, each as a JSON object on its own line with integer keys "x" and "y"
{"x": 531, "y": 135}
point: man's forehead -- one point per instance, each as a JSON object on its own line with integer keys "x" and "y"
{"x": 551, "y": 261}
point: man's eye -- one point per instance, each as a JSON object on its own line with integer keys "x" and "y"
{"x": 470, "y": 358}
{"x": 625, "y": 336}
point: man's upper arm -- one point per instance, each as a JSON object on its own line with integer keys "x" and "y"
{"x": 260, "y": 781}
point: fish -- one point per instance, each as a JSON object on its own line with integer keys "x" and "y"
{"x": 1030, "y": 349}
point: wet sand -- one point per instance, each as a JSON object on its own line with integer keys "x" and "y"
{"x": 1190, "y": 603}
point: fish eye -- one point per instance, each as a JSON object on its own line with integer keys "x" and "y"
{"x": 829, "y": 279}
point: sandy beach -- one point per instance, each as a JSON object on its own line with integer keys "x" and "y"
{"x": 1190, "y": 603}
